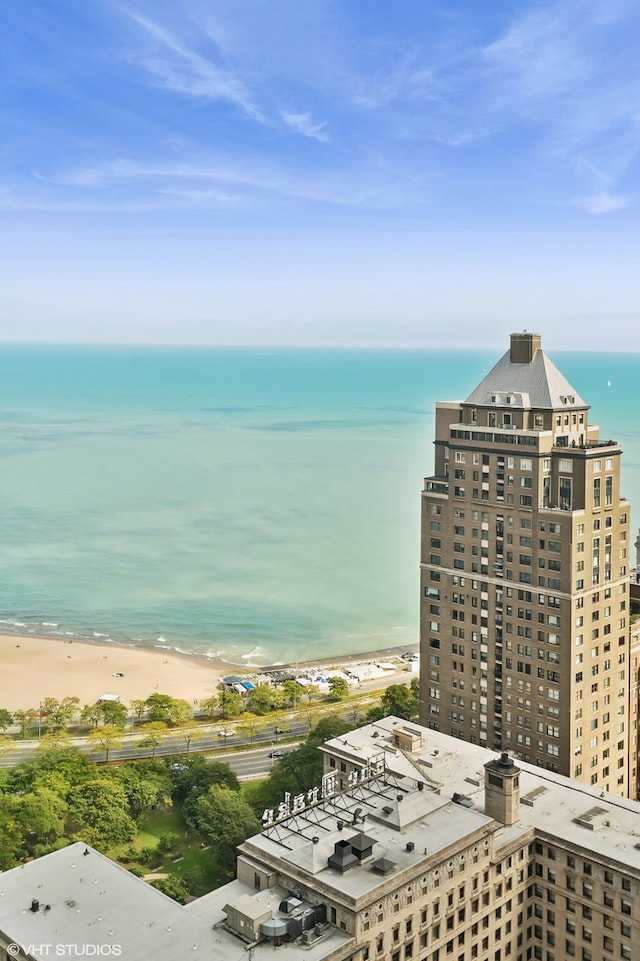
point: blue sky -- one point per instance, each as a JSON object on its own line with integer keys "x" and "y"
{"x": 320, "y": 172}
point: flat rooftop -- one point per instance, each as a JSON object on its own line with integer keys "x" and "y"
{"x": 606, "y": 825}
{"x": 84, "y": 898}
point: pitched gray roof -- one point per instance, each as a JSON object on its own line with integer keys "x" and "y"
{"x": 538, "y": 384}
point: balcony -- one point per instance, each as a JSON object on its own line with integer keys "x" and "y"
{"x": 436, "y": 487}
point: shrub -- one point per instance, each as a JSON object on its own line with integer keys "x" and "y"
{"x": 167, "y": 842}
{"x": 147, "y": 855}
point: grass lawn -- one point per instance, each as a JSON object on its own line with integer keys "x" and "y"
{"x": 248, "y": 789}
{"x": 197, "y": 867}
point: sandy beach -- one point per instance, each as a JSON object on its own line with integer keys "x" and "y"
{"x": 32, "y": 668}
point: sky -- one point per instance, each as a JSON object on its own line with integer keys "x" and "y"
{"x": 325, "y": 173}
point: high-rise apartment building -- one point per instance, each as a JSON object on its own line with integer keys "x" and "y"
{"x": 525, "y": 575}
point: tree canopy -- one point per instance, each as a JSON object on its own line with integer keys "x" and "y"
{"x": 170, "y": 710}
{"x": 225, "y": 819}
{"x": 98, "y": 811}
{"x": 338, "y": 688}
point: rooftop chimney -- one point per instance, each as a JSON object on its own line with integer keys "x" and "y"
{"x": 502, "y": 790}
{"x": 524, "y": 347}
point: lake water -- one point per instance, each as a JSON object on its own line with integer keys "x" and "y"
{"x": 257, "y": 505}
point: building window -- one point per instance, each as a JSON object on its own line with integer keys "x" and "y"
{"x": 608, "y": 491}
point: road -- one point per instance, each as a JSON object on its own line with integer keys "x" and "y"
{"x": 251, "y": 764}
{"x": 208, "y": 741}
{"x": 220, "y": 737}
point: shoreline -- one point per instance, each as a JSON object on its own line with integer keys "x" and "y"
{"x": 33, "y": 668}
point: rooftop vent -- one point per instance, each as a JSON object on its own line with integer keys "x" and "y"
{"x": 343, "y": 857}
{"x": 530, "y": 798}
{"x": 586, "y": 820}
{"x": 462, "y": 800}
{"x": 383, "y": 866}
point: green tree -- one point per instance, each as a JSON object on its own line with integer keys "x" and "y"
{"x": 173, "y": 887}
{"x": 171, "y": 710}
{"x": 55, "y": 740}
{"x": 154, "y": 734}
{"x": 98, "y": 813}
{"x": 326, "y": 729}
{"x": 106, "y": 738}
{"x": 59, "y": 769}
{"x": 225, "y": 819}
{"x": 292, "y": 692}
{"x": 158, "y": 707}
{"x": 25, "y": 718}
{"x": 400, "y": 700}
{"x": 278, "y": 698}
{"x": 250, "y": 727}
{"x": 146, "y": 784}
{"x": 231, "y": 703}
{"x": 114, "y": 714}
{"x": 210, "y": 706}
{"x": 90, "y": 715}
{"x": 167, "y": 842}
{"x": 189, "y": 736}
{"x": 59, "y": 714}
{"x": 293, "y": 774}
{"x": 6, "y": 719}
{"x": 40, "y": 815}
{"x": 375, "y": 713}
{"x": 311, "y": 692}
{"x": 260, "y": 699}
{"x": 181, "y": 712}
{"x": 11, "y": 839}
{"x": 196, "y": 776}
{"x": 338, "y": 688}
{"x": 138, "y": 708}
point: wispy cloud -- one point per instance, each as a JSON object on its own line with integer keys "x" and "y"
{"x": 186, "y": 71}
{"x": 234, "y": 182}
{"x": 553, "y": 69}
{"x": 176, "y": 65}
{"x": 604, "y": 203}
{"x": 304, "y": 124}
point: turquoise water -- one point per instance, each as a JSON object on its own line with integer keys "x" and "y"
{"x": 258, "y": 505}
